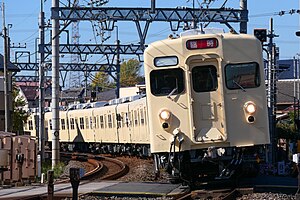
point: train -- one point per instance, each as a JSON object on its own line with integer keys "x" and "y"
{"x": 204, "y": 112}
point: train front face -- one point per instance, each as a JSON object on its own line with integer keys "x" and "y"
{"x": 204, "y": 91}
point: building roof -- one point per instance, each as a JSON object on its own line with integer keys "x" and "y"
{"x": 11, "y": 67}
{"x": 30, "y": 92}
{"x": 285, "y": 90}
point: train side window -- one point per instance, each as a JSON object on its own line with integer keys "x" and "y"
{"x": 87, "y": 122}
{"x": 113, "y": 120}
{"x": 164, "y": 81}
{"x": 204, "y": 78}
{"x": 101, "y": 122}
{"x": 91, "y": 123}
{"x": 63, "y": 124}
{"x": 142, "y": 116}
{"x": 50, "y": 124}
{"x": 128, "y": 119}
{"x": 124, "y": 118}
{"x": 242, "y": 75}
{"x": 135, "y": 118}
{"x": 72, "y": 124}
{"x": 81, "y": 123}
{"x": 94, "y": 122}
{"x": 145, "y": 115}
{"x": 109, "y": 122}
{"x": 97, "y": 122}
{"x": 30, "y": 125}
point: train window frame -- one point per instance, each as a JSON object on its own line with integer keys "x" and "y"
{"x": 97, "y": 122}
{"x": 238, "y": 84}
{"x": 63, "y": 124}
{"x": 30, "y": 125}
{"x": 50, "y": 124}
{"x": 87, "y": 123}
{"x": 113, "y": 120}
{"x": 72, "y": 123}
{"x": 205, "y": 85}
{"x": 109, "y": 121}
{"x": 142, "y": 116}
{"x": 91, "y": 122}
{"x": 94, "y": 122}
{"x": 101, "y": 118}
{"x": 165, "y": 61}
{"x": 81, "y": 123}
{"x": 145, "y": 116}
{"x": 164, "y": 81}
{"x": 124, "y": 119}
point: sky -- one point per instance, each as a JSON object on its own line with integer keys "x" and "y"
{"x": 23, "y": 15}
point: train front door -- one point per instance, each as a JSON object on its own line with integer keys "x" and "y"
{"x": 206, "y": 91}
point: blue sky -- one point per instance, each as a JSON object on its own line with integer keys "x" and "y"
{"x": 24, "y": 17}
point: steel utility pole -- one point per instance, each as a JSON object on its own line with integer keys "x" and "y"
{"x": 41, "y": 85}
{"x": 244, "y": 16}
{"x": 55, "y": 85}
{"x": 272, "y": 92}
{"x": 5, "y": 71}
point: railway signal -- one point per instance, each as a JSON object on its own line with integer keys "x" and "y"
{"x": 261, "y": 34}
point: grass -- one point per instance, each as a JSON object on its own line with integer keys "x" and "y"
{"x": 58, "y": 169}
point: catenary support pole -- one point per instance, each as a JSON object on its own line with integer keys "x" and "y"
{"x": 5, "y": 70}
{"x": 55, "y": 85}
{"x": 244, "y": 16}
{"x": 41, "y": 84}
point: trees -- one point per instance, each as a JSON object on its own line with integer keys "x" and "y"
{"x": 19, "y": 116}
{"x": 129, "y": 76}
{"x": 101, "y": 81}
{"x": 129, "y": 73}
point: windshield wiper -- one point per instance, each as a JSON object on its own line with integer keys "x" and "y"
{"x": 172, "y": 92}
{"x": 239, "y": 85}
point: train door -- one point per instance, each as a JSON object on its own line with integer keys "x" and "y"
{"x": 206, "y": 92}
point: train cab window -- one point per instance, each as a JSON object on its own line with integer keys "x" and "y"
{"x": 242, "y": 75}
{"x": 30, "y": 125}
{"x": 204, "y": 78}
{"x": 101, "y": 122}
{"x": 81, "y": 123}
{"x": 72, "y": 123}
{"x": 63, "y": 124}
{"x": 87, "y": 122}
{"x": 166, "y": 81}
{"x": 50, "y": 124}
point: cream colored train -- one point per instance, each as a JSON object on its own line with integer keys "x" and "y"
{"x": 204, "y": 112}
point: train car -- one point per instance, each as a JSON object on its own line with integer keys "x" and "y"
{"x": 204, "y": 114}
{"x": 118, "y": 127}
{"x": 206, "y": 94}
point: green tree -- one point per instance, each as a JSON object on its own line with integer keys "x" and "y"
{"x": 19, "y": 116}
{"x": 101, "y": 81}
{"x": 286, "y": 128}
{"x": 129, "y": 73}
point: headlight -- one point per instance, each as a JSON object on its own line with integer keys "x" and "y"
{"x": 250, "y": 107}
{"x": 165, "y": 114}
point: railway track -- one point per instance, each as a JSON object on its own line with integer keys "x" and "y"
{"x": 104, "y": 168}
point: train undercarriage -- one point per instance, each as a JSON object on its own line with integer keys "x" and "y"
{"x": 188, "y": 167}
{"x": 140, "y": 150}
{"x": 203, "y": 165}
